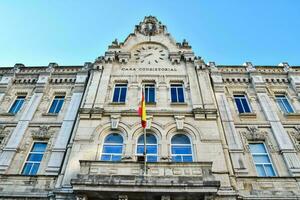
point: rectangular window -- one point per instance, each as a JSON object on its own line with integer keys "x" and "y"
{"x": 242, "y": 104}
{"x": 263, "y": 164}
{"x": 34, "y": 158}
{"x": 120, "y": 93}
{"x": 149, "y": 91}
{"x": 17, "y": 105}
{"x": 284, "y": 104}
{"x": 177, "y": 93}
{"x": 57, "y": 103}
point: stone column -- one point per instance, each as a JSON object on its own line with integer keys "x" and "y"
{"x": 66, "y": 129}
{"x": 92, "y": 88}
{"x": 14, "y": 141}
{"x": 197, "y": 101}
{"x": 232, "y": 137}
{"x": 283, "y": 140}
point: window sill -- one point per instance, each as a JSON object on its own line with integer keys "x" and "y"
{"x": 7, "y": 114}
{"x": 178, "y": 103}
{"x": 247, "y": 115}
{"x": 50, "y": 114}
{"x": 292, "y": 115}
{"x": 117, "y": 103}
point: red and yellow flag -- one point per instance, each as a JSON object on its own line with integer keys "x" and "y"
{"x": 142, "y": 111}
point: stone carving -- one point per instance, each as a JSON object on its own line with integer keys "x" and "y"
{"x": 3, "y": 135}
{"x": 43, "y": 133}
{"x": 253, "y": 133}
{"x": 295, "y": 135}
{"x": 150, "y": 26}
{"x": 179, "y": 122}
{"x": 115, "y": 119}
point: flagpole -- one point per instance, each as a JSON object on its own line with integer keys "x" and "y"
{"x": 145, "y": 152}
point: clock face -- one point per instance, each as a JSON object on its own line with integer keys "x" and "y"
{"x": 150, "y": 54}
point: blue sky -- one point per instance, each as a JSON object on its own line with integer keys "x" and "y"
{"x": 71, "y": 32}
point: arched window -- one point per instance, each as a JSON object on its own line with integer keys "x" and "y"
{"x": 112, "y": 147}
{"x": 151, "y": 147}
{"x": 181, "y": 148}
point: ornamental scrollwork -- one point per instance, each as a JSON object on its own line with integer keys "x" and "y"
{"x": 295, "y": 135}
{"x": 253, "y": 133}
{"x": 42, "y": 133}
{"x": 3, "y": 135}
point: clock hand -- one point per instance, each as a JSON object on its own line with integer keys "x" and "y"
{"x": 148, "y": 55}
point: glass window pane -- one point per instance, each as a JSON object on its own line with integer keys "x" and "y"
{"x": 116, "y": 158}
{"x": 35, "y": 157}
{"x": 180, "y": 94}
{"x": 123, "y": 95}
{"x": 151, "y": 97}
{"x": 53, "y": 106}
{"x": 105, "y": 157}
{"x": 59, "y": 105}
{"x": 112, "y": 149}
{"x": 151, "y": 158}
{"x": 151, "y": 149}
{"x": 114, "y": 138}
{"x": 116, "y": 94}
{"x": 246, "y": 105}
{"x": 39, "y": 147}
{"x": 150, "y": 139}
{"x": 140, "y": 149}
{"x": 181, "y": 150}
{"x": 17, "y": 105}
{"x": 257, "y": 148}
{"x": 27, "y": 168}
{"x": 260, "y": 170}
{"x": 187, "y": 158}
{"x": 239, "y": 105}
{"x": 180, "y": 139}
{"x": 288, "y": 106}
{"x": 269, "y": 170}
{"x": 34, "y": 169}
{"x": 173, "y": 95}
{"x": 261, "y": 159}
{"x": 176, "y": 159}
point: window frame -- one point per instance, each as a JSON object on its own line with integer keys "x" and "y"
{"x": 183, "y": 92}
{"x": 157, "y": 147}
{"x": 285, "y": 107}
{"x": 27, "y": 156}
{"x": 53, "y": 98}
{"x": 243, "y": 107}
{"x": 263, "y": 164}
{"x": 113, "y": 93}
{"x": 16, "y": 98}
{"x": 113, "y": 144}
{"x": 191, "y": 145}
{"x": 144, "y": 91}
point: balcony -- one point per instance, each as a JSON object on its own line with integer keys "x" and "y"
{"x": 103, "y": 180}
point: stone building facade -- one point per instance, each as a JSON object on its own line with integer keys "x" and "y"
{"x": 38, "y": 110}
{"x": 213, "y": 132}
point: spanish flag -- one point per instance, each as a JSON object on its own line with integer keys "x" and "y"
{"x": 142, "y": 111}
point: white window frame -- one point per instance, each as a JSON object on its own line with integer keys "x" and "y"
{"x": 263, "y": 164}
{"x": 137, "y": 144}
{"x": 191, "y": 144}
{"x": 14, "y": 102}
{"x": 53, "y": 98}
{"x": 247, "y": 100}
{"x": 144, "y": 91}
{"x": 170, "y": 92}
{"x": 285, "y": 96}
{"x": 116, "y": 144}
{"x": 27, "y": 155}
{"x": 113, "y": 93}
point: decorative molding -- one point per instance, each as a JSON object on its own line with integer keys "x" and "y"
{"x": 150, "y": 26}
{"x": 253, "y": 133}
{"x": 3, "y": 135}
{"x": 295, "y": 135}
{"x": 43, "y": 133}
{"x": 149, "y": 120}
{"x": 115, "y": 119}
{"x": 179, "y": 119}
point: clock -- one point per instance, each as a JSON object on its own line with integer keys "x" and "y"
{"x": 150, "y": 54}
